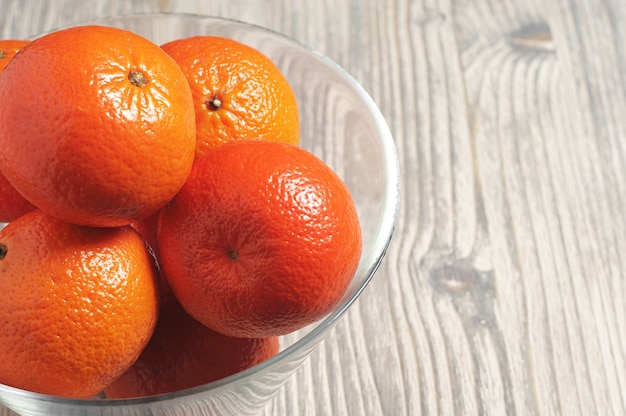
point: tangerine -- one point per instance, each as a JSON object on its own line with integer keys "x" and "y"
{"x": 8, "y": 49}
{"x": 97, "y": 125}
{"x": 262, "y": 239}
{"x": 183, "y": 353}
{"x": 238, "y": 92}
{"x": 12, "y": 203}
{"x": 77, "y": 304}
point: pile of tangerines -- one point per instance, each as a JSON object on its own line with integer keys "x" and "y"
{"x": 164, "y": 225}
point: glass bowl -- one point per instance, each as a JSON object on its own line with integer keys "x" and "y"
{"x": 342, "y": 125}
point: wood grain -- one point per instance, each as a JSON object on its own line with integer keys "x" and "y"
{"x": 503, "y": 290}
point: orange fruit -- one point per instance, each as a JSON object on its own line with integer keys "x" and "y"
{"x": 262, "y": 239}
{"x": 12, "y": 204}
{"x": 97, "y": 125}
{"x": 238, "y": 92}
{"x": 8, "y": 49}
{"x": 183, "y": 353}
{"x": 77, "y": 304}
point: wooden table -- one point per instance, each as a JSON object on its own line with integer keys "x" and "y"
{"x": 503, "y": 291}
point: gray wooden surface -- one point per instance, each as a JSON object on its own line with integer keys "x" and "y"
{"x": 503, "y": 291}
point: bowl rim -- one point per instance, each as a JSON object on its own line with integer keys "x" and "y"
{"x": 390, "y": 209}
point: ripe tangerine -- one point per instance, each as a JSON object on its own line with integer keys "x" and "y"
{"x": 12, "y": 203}
{"x": 183, "y": 353}
{"x": 77, "y": 304}
{"x": 238, "y": 92}
{"x": 262, "y": 239}
{"x": 97, "y": 125}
